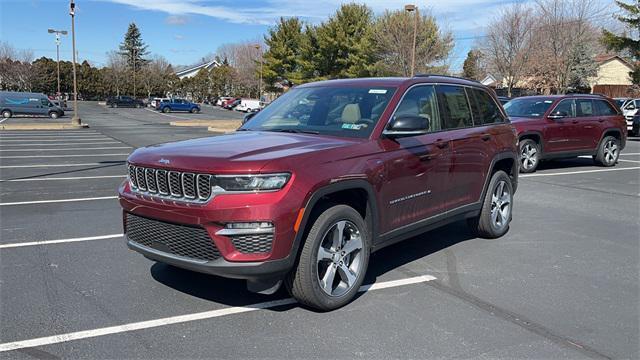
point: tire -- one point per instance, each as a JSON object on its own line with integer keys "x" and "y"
{"x": 166, "y": 109}
{"x": 492, "y": 223}
{"x": 608, "y": 152}
{"x": 138, "y": 106}
{"x": 193, "y": 110}
{"x": 305, "y": 282}
{"x": 7, "y": 114}
{"x": 529, "y": 156}
{"x": 115, "y": 105}
{"x": 53, "y": 115}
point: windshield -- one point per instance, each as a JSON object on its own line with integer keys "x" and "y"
{"x": 523, "y": 107}
{"x": 327, "y": 110}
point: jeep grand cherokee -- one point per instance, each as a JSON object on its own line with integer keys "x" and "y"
{"x": 303, "y": 192}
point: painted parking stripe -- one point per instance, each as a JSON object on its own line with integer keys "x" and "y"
{"x": 66, "y": 178}
{"x": 101, "y": 142}
{"x": 101, "y": 137}
{"x": 57, "y": 165}
{"x": 61, "y": 156}
{"x": 8, "y": 134}
{"x": 61, "y": 241}
{"x": 57, "y": 201}
{"x": 118, "y": 329}
{"x": 66, "y": 149}
{"x": 629, "y": 154}
{"x": 579, "y": 172}
{"x": 629, "y": 161}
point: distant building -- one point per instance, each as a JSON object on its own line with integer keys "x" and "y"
{"x": 193, "y": 70}
{"x": 613, "y": 77}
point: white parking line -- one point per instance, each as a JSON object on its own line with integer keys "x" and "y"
{"x": 55, "y": 165}
{"x": 163, "y": 114}
{"x": 61, "y": 241}
{"x": 57, "y": 201}
{"x": 630, "y": 161}
{"x": 93, "y": 148}
{"x": 61, "y": 156}
{"x": 118, "y": 329}
{"x": 101, "y": 142}
{"x": 65, "y": 134}
{"x": 630, "y": 154}
{"x": 100, "y": 137}
{"x": 66, "y": 178}
{"x": 3, "y": 120}
{"x": 579, "y": 172}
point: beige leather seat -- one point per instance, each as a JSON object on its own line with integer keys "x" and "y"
{"x": 351, "y": 114}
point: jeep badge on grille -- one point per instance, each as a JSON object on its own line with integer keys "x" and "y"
{"x": 164, "y": 161}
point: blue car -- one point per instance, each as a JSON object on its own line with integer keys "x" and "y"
{"x": 177, "y": 105}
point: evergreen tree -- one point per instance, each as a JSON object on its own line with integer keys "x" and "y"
{"x": 133, "y": 49}
{"x": 471, "y": 67}
{"x": 283, "y": 60}
{"x": 622, "y": 43}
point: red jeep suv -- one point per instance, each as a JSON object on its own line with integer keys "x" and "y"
{"x": 565, "y": 126}
{"x": 305, "y": 190}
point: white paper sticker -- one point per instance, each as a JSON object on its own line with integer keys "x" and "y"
{"x": 377, "y": 91}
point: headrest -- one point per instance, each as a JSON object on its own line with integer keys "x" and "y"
{"x": 351, "y": 114}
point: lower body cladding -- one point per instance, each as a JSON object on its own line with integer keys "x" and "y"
{"x": 232, "y": 248}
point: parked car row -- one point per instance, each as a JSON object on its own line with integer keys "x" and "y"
{"x": 630, "y": 108}
{"x": 240, "y": 104}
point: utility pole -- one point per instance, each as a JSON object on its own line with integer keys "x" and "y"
{"x": 58, "y": 33}
{"x": 413, "y": 8}
{"x": 76, "y": 116}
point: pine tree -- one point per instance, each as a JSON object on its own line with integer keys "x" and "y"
{"x": 622, "y": 43}
{"x": 133, "y": 49}
{"x": 283, "y": 60}
{"x": 471, "y": 66}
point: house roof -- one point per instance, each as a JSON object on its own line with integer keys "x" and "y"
{"x": 605, "y": 58}
{"x": 207, "y": 65}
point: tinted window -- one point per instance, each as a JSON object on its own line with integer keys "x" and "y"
{"x": 584, "y": 107}
{"x": 565, "y": 106}
{"x": 604, "y": 108}
{"x": 528, "y": 107}
{"x": 421, "y": 101}
{"x": 455, "y": 109}
{"x": 348, "y": 111}
{"x": 484, "y": 108}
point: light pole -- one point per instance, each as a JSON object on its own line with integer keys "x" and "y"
{"x": 134, "y": 72}
{"x": 412, "y": 8}
{"x": 58, "y": 33}
{"x": 259, "y": 48}
{"x": 76, "y": 116}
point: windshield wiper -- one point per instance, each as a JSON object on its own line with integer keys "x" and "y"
{"x": 295, "y": 131}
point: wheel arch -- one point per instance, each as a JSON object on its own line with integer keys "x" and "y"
{"x": 615, "y": 132}
{"x": 506, "y": 161}
{"x": 535, "y": 136}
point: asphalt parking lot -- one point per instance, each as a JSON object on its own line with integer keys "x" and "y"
{"x": 563, "y": 283}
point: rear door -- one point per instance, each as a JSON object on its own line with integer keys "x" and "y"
{"x": 416, "y": 167}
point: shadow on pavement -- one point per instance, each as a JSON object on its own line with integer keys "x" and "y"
{"x": 232, "y": 292}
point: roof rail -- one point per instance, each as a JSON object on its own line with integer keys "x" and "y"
{"x": 448, "y": 76}
{"x": 580, "y": 94}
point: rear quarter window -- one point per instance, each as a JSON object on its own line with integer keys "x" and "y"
{"x": 484, "y": 108}
{"x": 604, "y": 108}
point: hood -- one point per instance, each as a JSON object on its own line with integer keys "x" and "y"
{"x": 243, "y": 151}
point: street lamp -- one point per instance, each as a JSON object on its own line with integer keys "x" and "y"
{"x": 412, "y": 8}
{"x": 58, "y": 33}
{"x": 259, "y": 48}
{"x": 76, "y": 116}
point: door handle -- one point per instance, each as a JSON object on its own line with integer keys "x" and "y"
{"x": 442, "y": 144}
{"x": 600, "y": 120}
{"x": 574, "y": 121}
{"x": 486, "y": 137}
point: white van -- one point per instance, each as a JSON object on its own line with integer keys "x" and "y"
{"x": 248, "y": 105}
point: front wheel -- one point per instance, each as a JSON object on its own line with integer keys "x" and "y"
{"x": 495, "y": 215}
{"x": 529, "y": 156}
{"x": 608, "y": 152}
{"x": 333, "y": 261}
{"x": 6, "y": 114}
{"x": 53, "y": 115}
{"x": 166, "y": 110}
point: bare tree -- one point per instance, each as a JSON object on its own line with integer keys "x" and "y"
{"x": 155, "y": 76}
{"x": 16, "y": 71}
{"x": 117, "y": 71}
{"x": 245, "y": 59}
{"x": 508, "y": 42}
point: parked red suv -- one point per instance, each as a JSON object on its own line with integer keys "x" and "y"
{"x": 565, "y": 126}
{"x": 305, "y": 190}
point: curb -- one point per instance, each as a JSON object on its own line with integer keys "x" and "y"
{"x": 42, "y": 126}
{"x": 218, "y": 125}
{"x": 220, "y": 130}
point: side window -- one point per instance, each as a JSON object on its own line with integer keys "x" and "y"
{"x": 565, "y": 106}
{"x": 44, "y": 102}
{"x": 604, "y": 108}
{"x": 584, "y": 108}
{"x": 455, "y": 109}
{"x": 421, "y": 101}
{"x": 485, "y": 110}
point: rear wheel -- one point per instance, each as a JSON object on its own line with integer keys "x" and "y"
{"x": 53, "y": 114}
{"x": 333, "y": 261}
{"x": 495, "y": 215}
{"x": 166, "y": 110}
{"x": 6, "y": 114}
{"x": 608, "y": 152}
{"x": 529, "y": 156}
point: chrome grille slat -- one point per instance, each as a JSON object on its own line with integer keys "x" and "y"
{"x": 176, "y": 185}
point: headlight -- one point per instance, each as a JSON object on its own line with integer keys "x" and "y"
{"x": 266, "y": 182}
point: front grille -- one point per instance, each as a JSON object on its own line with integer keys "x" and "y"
{"x": 185, "y": 241}
{"x": 174, "y": 184}
{"x": 252, "y": 244}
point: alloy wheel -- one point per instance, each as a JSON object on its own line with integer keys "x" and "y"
{"x": 610, "y": 152}
{"x": 529, "y": 156}
{"x": 339, "y": 260}
{"x": 500, "y": 206}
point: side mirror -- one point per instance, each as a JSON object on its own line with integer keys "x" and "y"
{"x": 407, "y": 125}
{"x": 631, "y": 107}
{"x": 248, "y": 117}
{"x": 557, "y": 115}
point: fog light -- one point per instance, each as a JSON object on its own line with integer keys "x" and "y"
{"x": 249, "y": 225}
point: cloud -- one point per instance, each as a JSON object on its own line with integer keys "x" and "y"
{"x": 178, "y": 37}
{"x": 176, "y": 20}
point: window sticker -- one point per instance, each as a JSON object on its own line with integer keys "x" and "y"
{"x": 548, "y": 101}
{"x": 377, "y": 91}
{"x": 353, "y": 126}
